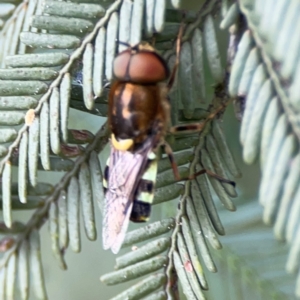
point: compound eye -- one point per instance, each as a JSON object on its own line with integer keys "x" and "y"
{"x": 121, "y": 63}
{"x": 121, "y": 145}
{"x": 143, "y": 66}
{"x": 147, "y": 67}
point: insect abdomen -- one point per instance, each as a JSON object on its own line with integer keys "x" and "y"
{"x": 143, "y": 196}
{"x": 105, "y": 176}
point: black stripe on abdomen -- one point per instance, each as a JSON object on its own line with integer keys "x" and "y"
{"x": 140, "y": 211}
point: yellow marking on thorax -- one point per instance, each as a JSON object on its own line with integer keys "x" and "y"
{"x": 126, "y": 98}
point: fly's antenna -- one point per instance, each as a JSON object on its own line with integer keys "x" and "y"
{"x": 123, "y": 43}
{"x": 153, "y": 40}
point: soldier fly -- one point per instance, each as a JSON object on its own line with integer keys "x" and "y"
{"x": 139, "y": 119}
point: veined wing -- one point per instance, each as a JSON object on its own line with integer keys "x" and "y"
{"x": 124, "y": 170}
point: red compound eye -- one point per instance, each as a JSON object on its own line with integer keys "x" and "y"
{"x": 121, "y": 64}
{"x": 140, "y": 67}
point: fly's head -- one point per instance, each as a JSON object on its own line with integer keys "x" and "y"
{"x": 140, "y": 64}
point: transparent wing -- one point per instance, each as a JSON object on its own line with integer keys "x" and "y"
{"x": 124, "y": 171}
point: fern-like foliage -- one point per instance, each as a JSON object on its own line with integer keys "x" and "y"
{"x": 264, "y": 78}
{"x": 64, "y": 59}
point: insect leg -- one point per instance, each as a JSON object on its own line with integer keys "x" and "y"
{"x": 169, "y": 152}
{"x": 187, "y": 128}
{"x": 196, "y": 127}
{"x": 212, "y": 174}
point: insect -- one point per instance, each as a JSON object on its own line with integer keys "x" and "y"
{"x": 139, "y": 118}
